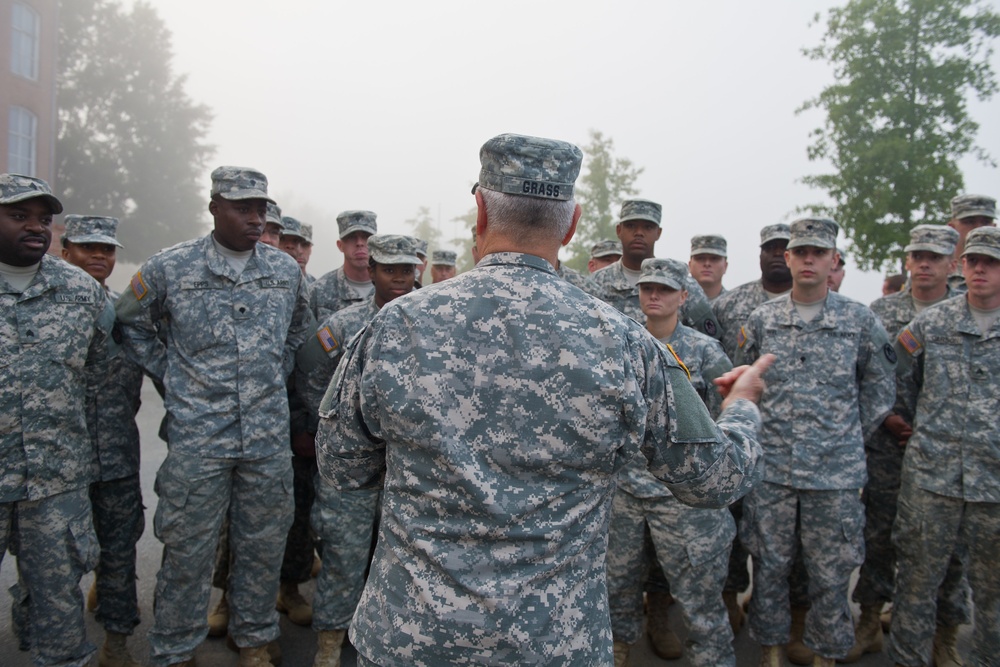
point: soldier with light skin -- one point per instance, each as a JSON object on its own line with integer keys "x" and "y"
{"x": 836, "y": 277}
{"x": 969, "y": 212}
{"x": 708, "y": 263}
{"x": 604, "y": 253}
{"x": 442, "y": 265}
{"x": 271, "y": 234}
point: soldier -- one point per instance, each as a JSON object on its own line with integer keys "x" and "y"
{"x": 345, "y": 520}
{"x": 421, "y": 246}
{"x": 443, "y": 265}
{"x": 56, "y": 328}
{"x": 350, "y": 283}
{"x": 90, "y": 242}
{"x": 708, "y": 263}
{"x": 297, "y": 241}
{"x": 574, "y": 277}
{"x": 234, "y": 311}
{"x": 638, "y": 230}
{"x": 929, "y": 262}
{"x": 604, "y": 253}
{"x": 272, "y": 226}
{"x": 893, "y": 283}
{"x": 836, "y": 277}
{"x": 949, "y": 379}
{"x": 835, "y": 359}
{"x": 969, "y": 212}
{"x": 498, "y": 482}
{"x": 696, "y": 572}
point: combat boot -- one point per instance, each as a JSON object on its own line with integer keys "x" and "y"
{"x": 328, "y": 644}
{"x": 886, "y": 618}
{"x": 114, "y": 652}
{"x": 797, "y": 652}
{"x": 291, "y": 602}
{"x": 255, "y": 656}
{"x": 820, "y": 661}
{"x": 273, "y": 649}
{"x": 945, "y": 647}
{"x": 621, "y": 654}
{"x": 770, "y": 656}
{"x": 92, "y": 596}
{"x": 868, "y": 635}
{"x": 736, "y": 614}
{"x": 218, "y": 619}
{"x": 665, "y": 642}
{"x": 316, "y": 566}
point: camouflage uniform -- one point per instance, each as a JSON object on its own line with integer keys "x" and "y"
{"x": 332, "y": 291}
{"x": 732, "y": 310}
{"x": 230, "y": 344}
{"x": 950, "y": 494}
{"x": 840, "y": 363}
{"x": 55, "y": 340}
{"x": 574, "y": 277}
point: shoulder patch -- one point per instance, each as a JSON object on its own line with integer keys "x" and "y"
{"x": 679, "y": 362}
{"x": 709, "y": 327}
{"x": 890, "y": 354}
{"x": 327, "y": 340}
{"x": 741, "y": 338}
{"x": 138, "y": 286}
{"x": 908, "y": 341}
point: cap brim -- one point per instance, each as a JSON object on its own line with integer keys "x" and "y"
{"x": 356, "y": 228}
{"x": 394, "y": 259}
{"x": 53, "y": 202}
{"x": 708, "y": 251}
{"x": 929, "y": 247}
{"x": 989, "y": 251}
{"x": 660, "y": 281}
{"x": 94, "y": 238}
{"x": 647, "y": 218}
{"x": 975, "y": 213}
{"x": 775, "y": 238}
{"x": 607, "y": 253}
{"x": 812, "y": 241}
{"x": 238, "y": 195}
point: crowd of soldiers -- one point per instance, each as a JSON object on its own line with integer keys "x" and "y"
{"x": 500, "y": 468}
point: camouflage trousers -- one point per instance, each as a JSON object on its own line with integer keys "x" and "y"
{"x": 55, "y": 544}
{"x": 297, "y": 564}
{"x": 119, "y": 522}
{"x": 828, "y": 526}
{"x": 692, "y": 545}
{"x": 195, "y": 494}
{"x": 929, "y": 530}
{"x": 344, "y": 522}
{"x": 877, "y": 580}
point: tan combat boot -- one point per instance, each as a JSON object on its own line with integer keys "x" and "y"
{"x": 273, "y": 649}
{"x": 328, "y": 644}
{"x": 797, "y": 652}
{"x": 92, "y": 596}
{"x": 736, "y": 614}
{"x": 621, "y": 654}
{"x": 820, "y": 661}
{"x": 771, "y": 656}
{"x": 291, "y": 602}
{"x": 886, "y": 618}
{"x": 218, "y": 618}
{"x": 316, "y": 566}
{"x": 665, "y": 642}
{"x": 945, "y": 647}
{"x": 868, "y": 635}
{"x": 114, "y": 652}
{"x": 255, "y": 656}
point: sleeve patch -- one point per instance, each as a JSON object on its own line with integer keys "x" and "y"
{"x": 679, "y": 362}
{"x": 741, "y": 338}
{"x": 138, "y": 286}
{"x": 909, "y": 341}
{"x": 327, "y": 340}
{"x": 890, "y": 354}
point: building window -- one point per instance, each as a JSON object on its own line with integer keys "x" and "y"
{"x": 24, "y": 40}
{"x": 22, "y": 133}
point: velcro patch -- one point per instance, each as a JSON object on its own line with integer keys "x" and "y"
{"x": 327, "y": 340}
{"x": 679, "y": 362}
{"x": 741, "y": 338}
{"x": 138, "y": 286}
{"x": 909, "y": 341}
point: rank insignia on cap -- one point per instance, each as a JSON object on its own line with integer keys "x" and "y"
{"x": 909, "y": 341}
{"x": 674, "y": 352}
{"x": 138, "y": 286}
{"x": 741, "y": 338}
{"x": 327, "y": 340}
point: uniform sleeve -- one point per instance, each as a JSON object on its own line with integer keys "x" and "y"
{"x": 139, "y": 310}
{"x": 909, "y": 347}
{"x": 716, "y": 364}
{"x": 697, "y": 310}
{"x": 302, "y": 324}
{"x": 748, "y": 341}
{"x": 315, "y": 363}
{"x": 876, "y": 378}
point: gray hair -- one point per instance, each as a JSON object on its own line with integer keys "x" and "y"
{"x": 528, "y": 217}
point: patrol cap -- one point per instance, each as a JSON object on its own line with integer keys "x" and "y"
{"x": 91, "y": 229}
{"x": 667, "y": 272}
{"x": 815, "y": 232}
{"x": 606, "y": 248}
{"x": 708, "y": 244}
{"x": 15, "y": 188}
{"x": 967, "y": 206}
{"x": 349, "y": 222}
{"x": 274, "y": 214}
{"x": 292, "y": 227}
{"x": 640, "y": 209}
{"x": 444, "y": 258}
{"x": 940, "y": 239}
{"x": 529, "y": 166}
{"x": 779, "y": 232}
{"x": 983, "y": 241}
{"x": 392, "y": 249}
{"x": 235, "y": 183}
{"x": 421, "y": 247}
{"x": 307, "y": 232}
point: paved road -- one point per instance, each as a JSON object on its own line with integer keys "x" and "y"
{"x": 298, "y": 644}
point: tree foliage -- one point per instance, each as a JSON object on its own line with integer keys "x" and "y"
{"x": 425, "y": 228}
{"x": 465, "y": 242}
{"x": 600, "y": 191}
{"x": 131, "y": 143}
{"x": 897, "y": 120}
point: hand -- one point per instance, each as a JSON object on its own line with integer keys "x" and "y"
{"x": 899, "y": 429}
{"x": 304, "y": 444}
{"x": 744, "y": 381}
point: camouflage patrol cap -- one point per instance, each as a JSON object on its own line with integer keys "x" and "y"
{"x": 606, "y": 248}
{"x": 15, "y": 188}
{"x": 779, "y": 232}
{"x": 667, "y": 272}
{"x": 814, "y": 232}
{"x": 529, "y": 166}
{"x": 91, "y": 229}
{"x": 708, "y": 244}
{"x": 392, "y": 249}
{"x": 983, "y": 241}
{"x": 349, "y": 222}
{"x": 967, "y": 206}
{"x": 421, "y": 247}
{"x": 274, "y": 214}
{"x": 444, "y": 258}
{"x": 292, "y": 227}
{"x": 940, "y": 239}
{"x": 235, "y": 183}
{"x": 307, "y": 233}
{"x": 640, "y": 209}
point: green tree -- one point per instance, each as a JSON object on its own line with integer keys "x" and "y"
{"x": 131, "y": 143}
{"x": 425, "y": 228}
{"x": 600, "y": 191}
{"x": 897, "y": 121}
{"x": 465, "y": 242}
